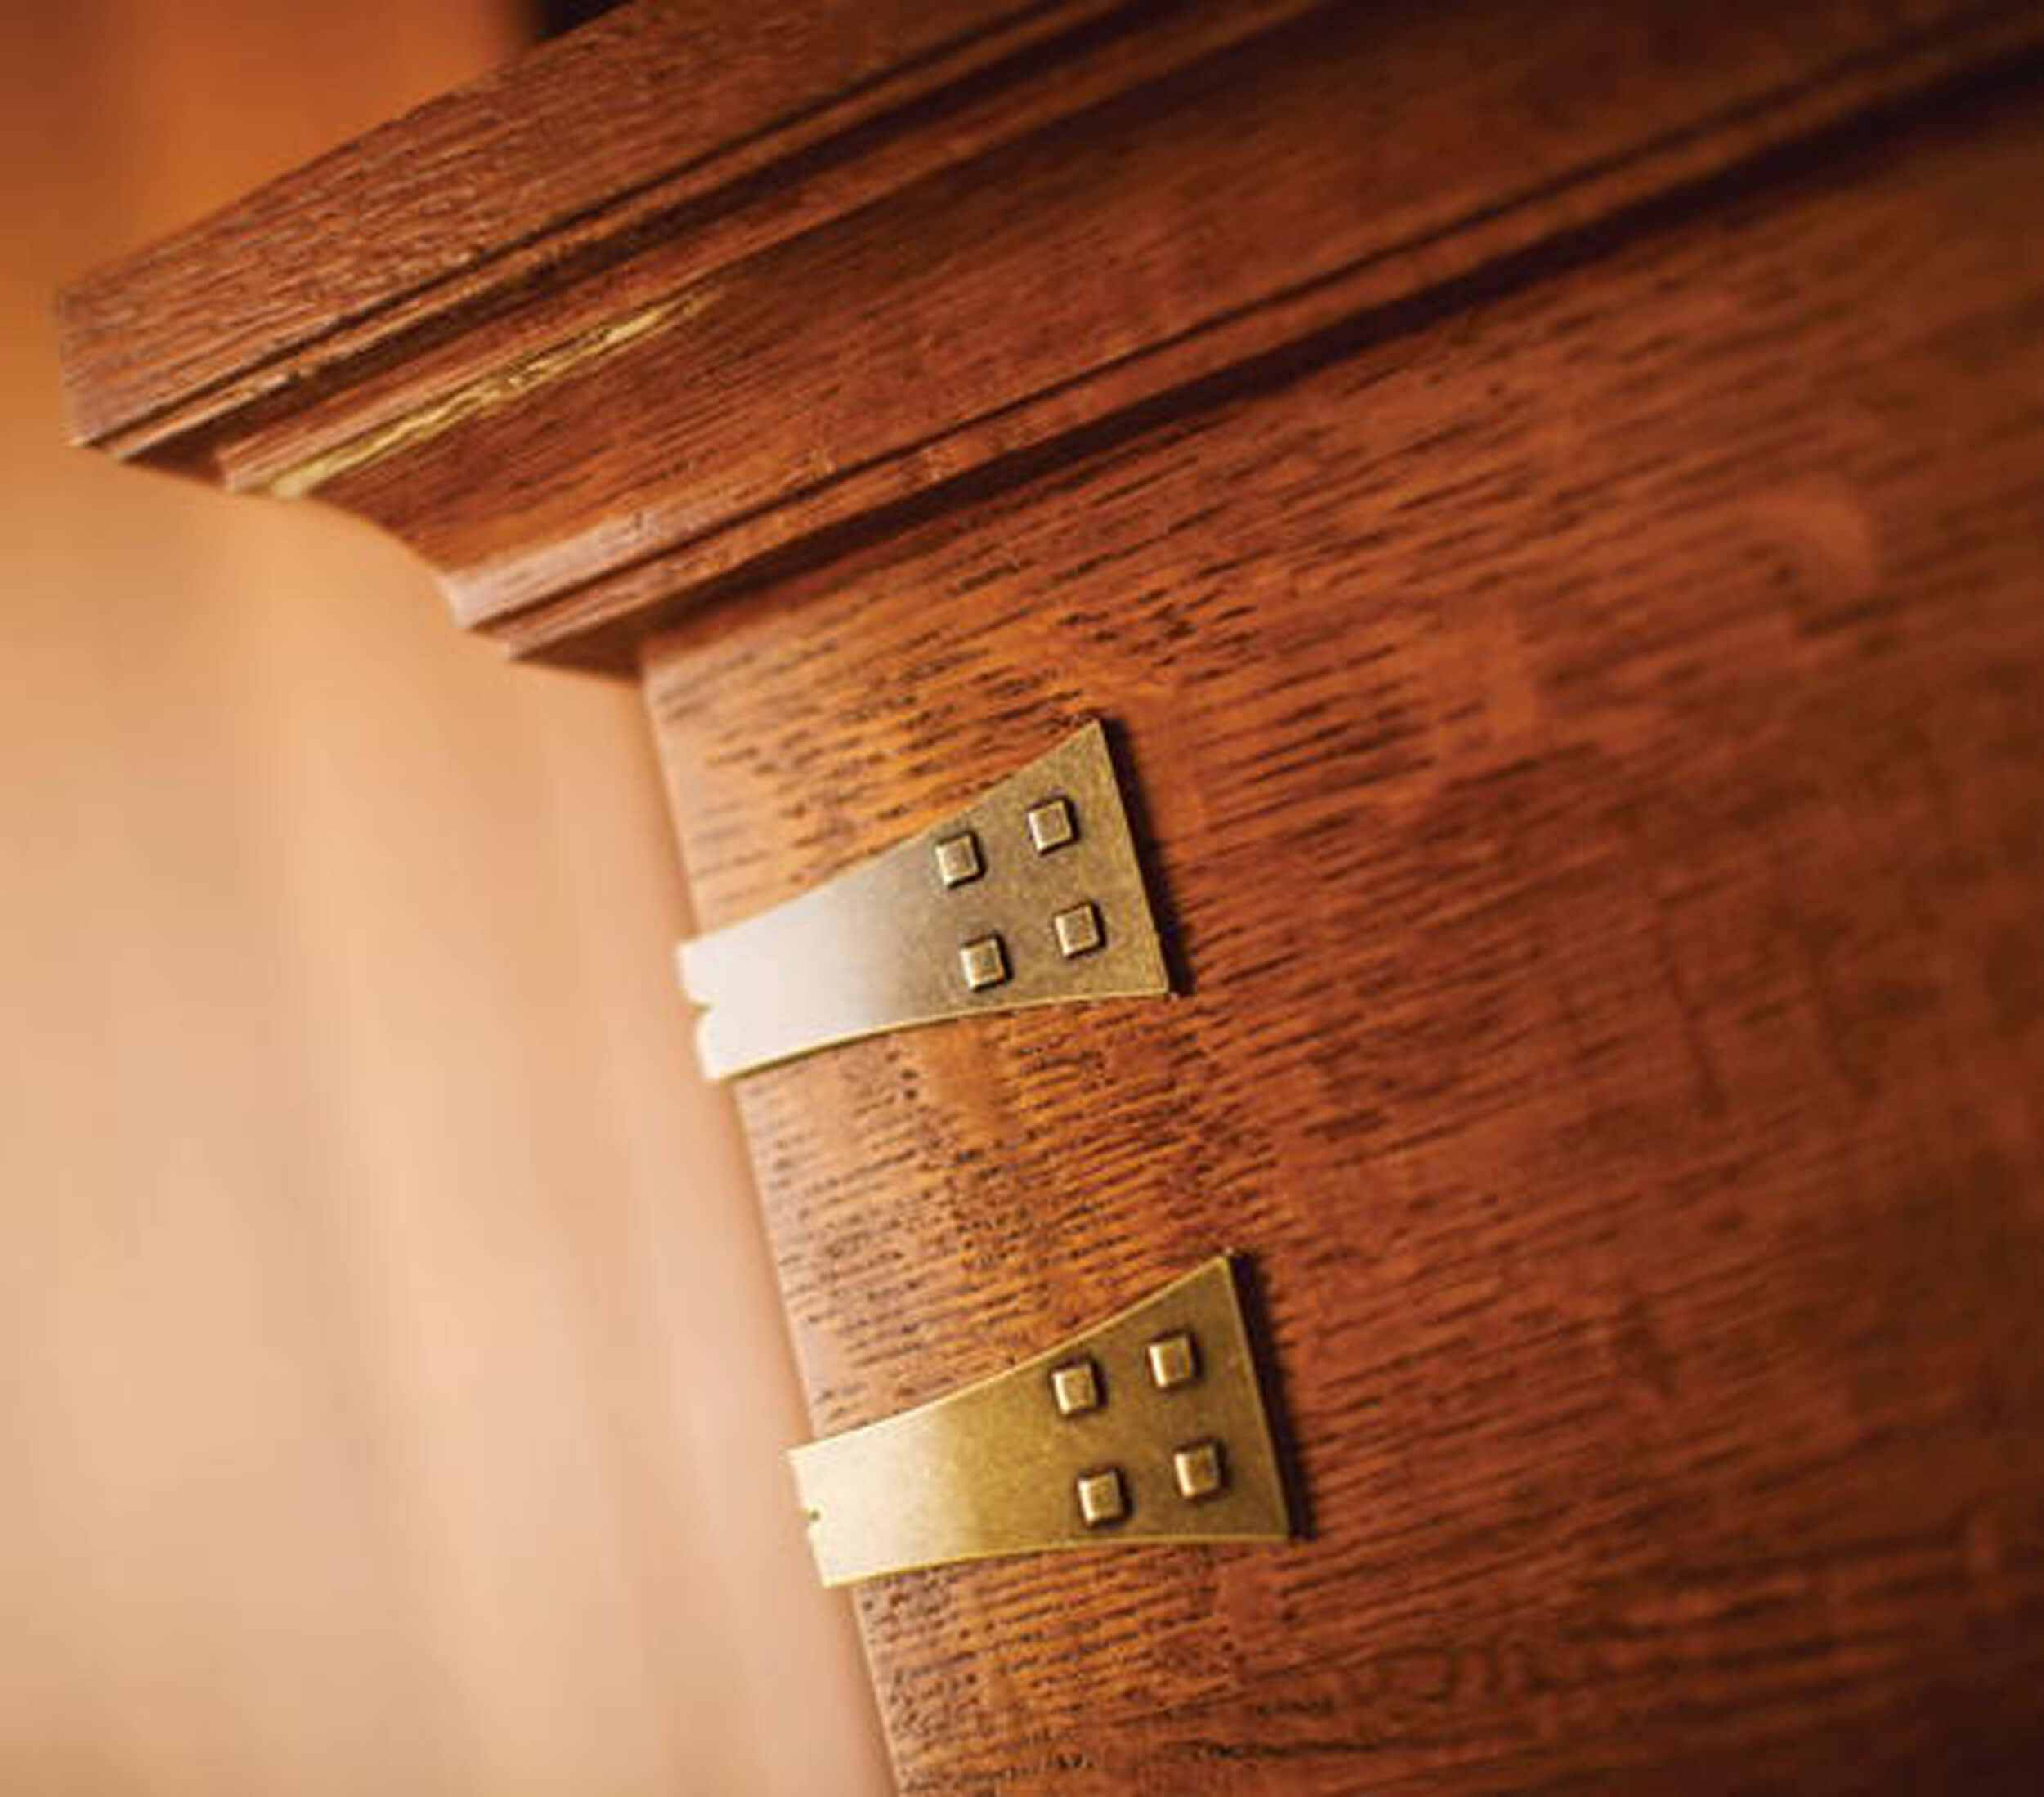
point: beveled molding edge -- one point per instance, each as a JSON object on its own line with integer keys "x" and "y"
{"x": 1031, "y": 895}
{"x": 439, "y": 411}
{"x": 171, "y": 337}
{"x": 1148, "y": 1428}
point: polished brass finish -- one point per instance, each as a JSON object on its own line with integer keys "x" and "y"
{"x": 1200, "y": 1470}
{"x": 1084, "y": 1446}
{"x": 1050, "y": 824}
{"x": 1102, "y": 1498}
{"x": 984, "y": 963}
{"x": 1031, "y": 896}
{"x": 1076, "y": 1388}
{"x": 1079, "y": 929}
{"x": 958, "y": 860}
{"x": 1174, "y": 1360}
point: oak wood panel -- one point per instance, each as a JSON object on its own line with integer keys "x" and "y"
{"x": 669, "y": 96}
{"x": 652, "y": 401}
{"x": 659, "y": 120}
{"x": 1588, "y": 742}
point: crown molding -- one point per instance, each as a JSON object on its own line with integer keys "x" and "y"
{"x": 701, "y": 292}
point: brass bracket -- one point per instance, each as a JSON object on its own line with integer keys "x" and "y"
{"x": 1148, "y": 1427}
{"x": 1031, "y": 896}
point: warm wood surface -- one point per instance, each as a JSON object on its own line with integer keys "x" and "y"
{"x": 658, "y": 121}
{"x": 1589, "y": 743}
{"x": 659, "y": 103}
{"x": 375, "y": 1275}
{"x": 599, "y": 393}
{"x": 1557, "y": 518}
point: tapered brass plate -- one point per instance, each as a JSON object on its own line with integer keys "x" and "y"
{"x": 1150, "y": 1428}
{"x": 1032, "y": 896}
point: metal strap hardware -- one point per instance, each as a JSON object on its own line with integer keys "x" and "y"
{"x": 1031, "y": 896}
{"x": 1149, "y": 1427}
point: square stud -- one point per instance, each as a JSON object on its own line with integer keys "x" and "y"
{"x": 1102, "y": 1498}
{"x": 1199, "y": 1470}
{"x": 1078, "y": 930}
{"x": 958, "y": 860}
{"x": 1174, "y": 1360}
{"x": 1076, "y": 1388}
{"x": 1052, "y": 825}
{"x": 983, "y": 962}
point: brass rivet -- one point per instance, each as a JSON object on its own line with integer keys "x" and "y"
{"x": 1200, "y": 1470}
{"x": 984, "y": 962}
{"x": 1102, "y": 1498}
{"x": 1174, "y": 1360}
{"x": 1052, "y": 825}
{"x": 1078, "y": 930}
{"x": 1076, "y": 1388}
{"x": 958, "y": 860}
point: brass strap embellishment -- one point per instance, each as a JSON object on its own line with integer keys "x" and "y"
{"x": 1149, "y": 1427}
{"x": 1031, "y": 896}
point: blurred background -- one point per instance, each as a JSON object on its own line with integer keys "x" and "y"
{"x": 393, "y": 1389}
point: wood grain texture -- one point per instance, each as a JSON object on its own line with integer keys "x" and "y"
{"x": 669, "y": 97}
{"x": 1068, "y": 218}
{"x": 1588, "y": 744}
{"x": 730, "y": 127}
